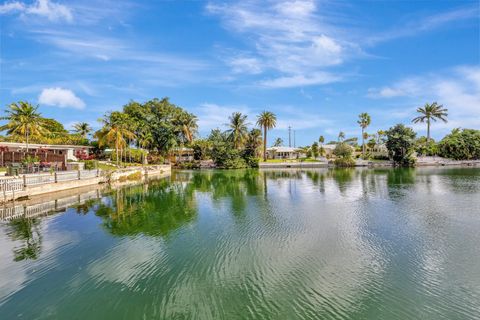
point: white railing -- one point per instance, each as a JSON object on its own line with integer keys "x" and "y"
{"x": 11, "y": 185}
{"x": 39, "y": 179}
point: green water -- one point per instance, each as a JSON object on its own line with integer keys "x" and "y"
{"x": 318, "y": 244}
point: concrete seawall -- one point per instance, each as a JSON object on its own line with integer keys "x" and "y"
{"x": 103, "y": 177}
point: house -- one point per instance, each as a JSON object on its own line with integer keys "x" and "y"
{"x": 287, "y": 153}
{"x": 181, "y": 155}
{"x": 11, "y": 152}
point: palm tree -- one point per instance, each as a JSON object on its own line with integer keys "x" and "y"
{"x": 430, "y": 112}
{"x": 116, "y": 128}
{"x": 364, "y": 121}
{"x": 321, "y": 139}
{"x": 24, "y": 121}
{"x": 254, "y": 141}
{"x": 82, "y": 128}
{"x": 278, "y": 142}
{"x": 266, "y": 120}
{"x": 187, "y": 125}
{"x": 341, "y": 136}
{"x": 238, "y": 129}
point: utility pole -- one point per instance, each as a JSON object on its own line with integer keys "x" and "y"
{"x": 289, "y": 137}
{"x": 294, "y": 142}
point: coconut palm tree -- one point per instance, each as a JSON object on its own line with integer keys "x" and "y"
{"x": 341, "y": 136}
{"x": 278, "y": 142}
{"x": 82, "y": 128}
{"x": 364, "y": 121}
{"x": 24, "y": 121}
{"x": 238, "y": 131}
{"x": 431, "y": 112}
{"x": 187, "y": 125}
{"x": 115, "y": 131}
{"x": 266, "y": 120}
{"x": 254, "y": 141}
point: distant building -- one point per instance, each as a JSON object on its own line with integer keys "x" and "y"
{"x": 11, "y": 152}
{"x": 287, "y": 153}
{"x": 181, "y": 155}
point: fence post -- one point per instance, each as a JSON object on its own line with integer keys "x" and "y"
{"x": 78, "y": 173}
{"x": 98, "y": 172}
{"x": 55, "y": 175}
{"x": 24, "y": 182}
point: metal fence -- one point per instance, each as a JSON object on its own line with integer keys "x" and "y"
{"x": 9, "y": 185}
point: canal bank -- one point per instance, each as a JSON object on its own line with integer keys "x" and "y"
{"x": 28, "y": 185}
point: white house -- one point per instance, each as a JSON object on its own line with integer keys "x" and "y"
{"x": 287, "y": 153}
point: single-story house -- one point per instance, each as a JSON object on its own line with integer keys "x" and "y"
{"x": 15, "y": 152}
{"x": 288, "y": 153}
{"x": 181, "y": 155}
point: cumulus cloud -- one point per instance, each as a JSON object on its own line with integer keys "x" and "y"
{"x": 43, "y": 8}
{"x": 458, "y": 89}
{"x": 301, "y": 80}
{"x": 60, "y": 97}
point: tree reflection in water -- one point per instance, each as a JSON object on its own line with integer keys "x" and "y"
{"x": 25, "y": 230}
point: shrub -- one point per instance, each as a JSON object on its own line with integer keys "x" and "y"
{"x": 424, "y": 147}
{"x": 136, "y": 155}
{"x": 90, "y": 164}
{"x": 188, "y": 165}
{"x": 461, "y": 145}
{"x": 401, "y": 145}
{"x": 344, "y": 162}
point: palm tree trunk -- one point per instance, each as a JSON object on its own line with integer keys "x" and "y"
{"x": 116, "y": 150}
{"x": 363, "y": 145}
{"x": 264, "y": 143}
{"x": 428, "y": 129}
{"x": 26, "y": 138}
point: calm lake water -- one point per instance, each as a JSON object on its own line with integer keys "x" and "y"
{"x": 317, "y": 244}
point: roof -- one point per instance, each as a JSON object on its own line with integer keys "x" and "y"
{"x": 285, "y": 149}
{"x": 46, "y": 146}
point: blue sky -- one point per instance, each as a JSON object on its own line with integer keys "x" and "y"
{"x": 316, "y": 64}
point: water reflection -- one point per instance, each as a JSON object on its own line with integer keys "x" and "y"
{"x": 26, "y": 232}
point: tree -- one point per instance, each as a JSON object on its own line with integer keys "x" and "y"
{"x": 315, "y": 150}
{"x": 321, "y": 139}
{"x": 238, "y": 129}
{"x": 343, "y": 153}
{"x": 341, "y": 136}
{"x": 431, "y": 112}
{"x": 24, "y": 120}
{"x": 461, "y": 145}
{"x": 401, "y": 145}
{"x": 278, "y": 142}
{"x": 117, "y": 127}
{"x": 82, "y": 128}
{"x": 266, "y": 120}
{"x": 364, "y": 121}
{"x": 252, "y": 146}
{"x": 187, "y": 125}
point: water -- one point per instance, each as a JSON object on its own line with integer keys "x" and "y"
{"x": 319, "y": 244}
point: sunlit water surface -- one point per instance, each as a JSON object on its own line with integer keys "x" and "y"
{"x": 319, "y": 244}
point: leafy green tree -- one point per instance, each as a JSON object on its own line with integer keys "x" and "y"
{"x": 266, "y": 120}
{"x": 401, "y": 145}
{"x": 252, "y": 147}
{"x": 423, "y": 146}
{"x": 364, "y": 121}
{"x": 431, "y": 112}
{"x": 278, "y": 142}
{"x": 343, "y": 153}
{"x": 461, "y": 145}
{"x": 201, "y": 148}
{"x": 24, "y": 121}
{"x": 82, "y": 128}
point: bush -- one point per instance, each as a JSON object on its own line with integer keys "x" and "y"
{"x": 461, "y": 145}
{"x": 345, "y": 162}
{"x": 154, "y": 158}
{"x": 188, "y": 165}
{"x": 343, "y": 153}
{"x": 401, "y": 145}
{"x": 424, "y": 147}
{"x": 90, "y": 164}
{"x": 136, "y": 155}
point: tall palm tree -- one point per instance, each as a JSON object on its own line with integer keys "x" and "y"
{"x": 266, "y": 120}
{"x": 321, "y": 139}
{"x": 24, "y": 121}
{"x": 364, "y": 121}
{"x": 82, "y": 128}
{"x": 278, "y": 142}
{"x": 187, "y": 125}
{"x": 430, "y": 112}
{"x": 254, "y": 141}
{"x": 238, "y": 129}
{"x": 116, "y": 129}
{"x": 341, "y": 136}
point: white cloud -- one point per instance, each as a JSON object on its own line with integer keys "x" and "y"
{"x": 245, "y": 65}
{"x": 301, "y": 80}
{"x": 289, "y": 37}
{"x": 44, "y": 8}
{"x": 212, "y": 116}
{"x": 11, "y": 7}
{"x": 458, "y": 89}
{"x": 60, "y": 97}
